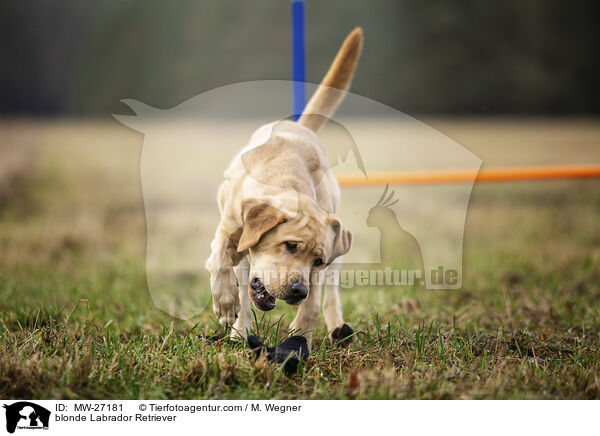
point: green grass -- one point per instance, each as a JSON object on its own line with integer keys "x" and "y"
{"x": 77, "y": 321}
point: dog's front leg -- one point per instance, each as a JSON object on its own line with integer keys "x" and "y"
{"x": 223, "y": 257}
{"x": 244, "y": 321}
{"x": 307, "y": 317}
{"x": 332, "y": 308}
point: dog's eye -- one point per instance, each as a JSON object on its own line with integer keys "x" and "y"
{"x": 292, "y": 247}
{"x": 318, "y": 262}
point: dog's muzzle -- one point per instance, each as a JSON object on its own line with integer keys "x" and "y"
{"x": 262, "y": 299}
{"x": 298, "y": 292}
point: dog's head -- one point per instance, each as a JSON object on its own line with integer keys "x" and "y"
{"x": 285, "y": 250}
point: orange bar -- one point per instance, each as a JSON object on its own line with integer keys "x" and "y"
{"x": 466, "y": 175}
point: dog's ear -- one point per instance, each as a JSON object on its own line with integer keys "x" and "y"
{"x": 342, "y": 238}
{"x": 259, "y": 217}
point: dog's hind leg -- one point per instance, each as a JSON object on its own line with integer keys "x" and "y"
{"x": 307, "y": 317}
{"x": 332, "y": 307}
{"x": 244, "y": 321}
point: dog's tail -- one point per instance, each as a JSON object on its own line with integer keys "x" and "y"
{"x": 336, "y": 82}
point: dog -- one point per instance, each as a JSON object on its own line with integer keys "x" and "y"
{"x": 279, "y": 230}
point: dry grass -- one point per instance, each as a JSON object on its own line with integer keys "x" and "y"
{"x": 17, "y": 159}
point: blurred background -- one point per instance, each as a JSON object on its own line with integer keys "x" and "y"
{"x": 79, "y": 58}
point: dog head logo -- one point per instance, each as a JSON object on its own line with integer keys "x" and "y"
{"x": 26, "y": 415}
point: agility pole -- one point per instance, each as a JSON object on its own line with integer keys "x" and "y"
{"x": 468, "y": 175}
{"x": 298, "y": 59}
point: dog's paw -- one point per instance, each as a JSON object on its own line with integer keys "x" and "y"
{"x": 342, "y": 335}
{"x": 226, "y": 308}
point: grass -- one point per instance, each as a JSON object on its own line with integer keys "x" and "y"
{"x": 77, "y": 321}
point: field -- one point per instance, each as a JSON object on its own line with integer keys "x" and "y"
{"x": 77, "y": 319}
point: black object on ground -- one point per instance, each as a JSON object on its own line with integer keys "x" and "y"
{"x": 295, "y": 347}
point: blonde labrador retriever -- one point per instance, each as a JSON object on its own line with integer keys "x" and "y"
{"x": 279, "y": 229}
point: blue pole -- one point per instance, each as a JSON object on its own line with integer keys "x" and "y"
{"x": 298, "y": 59}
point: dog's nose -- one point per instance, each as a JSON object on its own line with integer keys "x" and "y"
{"x": 298, "y": 292}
